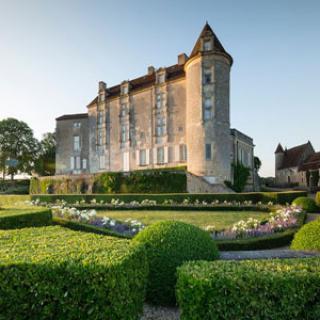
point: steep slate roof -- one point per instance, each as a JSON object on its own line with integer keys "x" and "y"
{"x": 279, "y": 149}
{"x": 217, "y": 46}
{"x": 293, "y": 157}
{"x": 74, "y": 116}
{"x": 311, "y": 163}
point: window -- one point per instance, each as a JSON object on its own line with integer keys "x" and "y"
{"x": 124, "y": 133}
{"x": 124, "y": 89}
{"x": 71, "y": 163}
{"x": 170, "y": 154}
{"x": 183, "y": 152}
{"x": 100, "y": 118}
{"x": 142, "y": 157}
{"x": 208, "y": 151}
{"x": 160, "y": 127}
{"x": 207, "y": 45}
{"x": 123, "y": 110}
{"x": 161, "y": 78}
{"x": 207, "y": 108}
{"x": 160, "y": 155}
{"x": 102, "y": 162}
{"x": 84, "y": 164}
{"x": 76, "y": 125}
{"x": 158, "y": 104}
{"x": 78, "y": 163}
{"x": 76, "y": 143}
{"x": 207, "y": 76}
{"x": 100, "y": 137}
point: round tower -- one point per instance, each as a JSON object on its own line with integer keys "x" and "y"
{"x": 279, "y": 155}
{"x": 207, "y": 112}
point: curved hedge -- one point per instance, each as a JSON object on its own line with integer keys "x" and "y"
{"x": 169, "y": 244}
{"x": 56, "y": 273}
{"x": 256, "y": 289}
{"x": 22, "y": 218}
{"x": 308, "y": 237}
{"x": 307, "y": 204}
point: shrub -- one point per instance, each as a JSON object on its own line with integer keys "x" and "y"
{"x": 168, "y": 245}
{"x": 257, "y": 289}
{"x": 306, "y": 204}
{"x": 56, "y": 273}
{"x": 22, "y": 218}
{"x": 308, "y": 237}
{"x": 12, "y": 199}
{"x": 318, "y": 198}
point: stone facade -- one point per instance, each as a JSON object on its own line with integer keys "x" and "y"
{"x": 297, "y": 166}
{"x": 174, "y": 116}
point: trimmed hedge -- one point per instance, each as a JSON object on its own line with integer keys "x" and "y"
{"x": 140, "y": 181}
{"x": 276, "y": 240}
{"x": 78, "y": 226}
{"x": 12, "y": 199}
{"x": 256, "y": 289}
{"x": 306, "y": 204}
{"x": 318, "y": 198}
{"x": 169, "y": 244}
{"x": 255, "y": 197}
{"x": 56, "y": 273}
{"x": 22, "y": 218}
{"x": 308, "y": 237}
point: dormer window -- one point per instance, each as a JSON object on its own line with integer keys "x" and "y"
{"x": 207, "y": 45}
{"x": 207, "y": 76}
{"x": 124, "y": 89}
{"x": 161, "y": 78}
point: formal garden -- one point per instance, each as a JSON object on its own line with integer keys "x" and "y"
{"x": 116, "y": 256}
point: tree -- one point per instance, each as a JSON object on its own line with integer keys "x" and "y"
{"x": 257, "y": 163}
{"x": 45, "y": 164}
{"x": 241, "y": 174}
{"x": 18, "y": 147}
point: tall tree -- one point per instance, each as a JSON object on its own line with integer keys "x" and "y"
{"x": 257, "y": 163}
{"x": 18, "y": 147}
{"x": 45, "y": 164}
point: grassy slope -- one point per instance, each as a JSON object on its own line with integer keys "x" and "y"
{"x": 220, "y": 220}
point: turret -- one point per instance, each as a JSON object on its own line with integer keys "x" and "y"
{"x": 207, "y": 113}
{"x": 279, "y": 155}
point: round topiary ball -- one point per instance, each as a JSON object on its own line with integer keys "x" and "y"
{"x": 169, "y": 244}
{"x": 306, "y": 204}
{"x": 308, "y": 237}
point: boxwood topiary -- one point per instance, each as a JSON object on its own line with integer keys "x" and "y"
{"x": 306, "y": 204}
{"x": 308, "y": 237}
{"x": 169, "y": 244}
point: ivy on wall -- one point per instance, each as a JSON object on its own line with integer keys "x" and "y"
{"x": 241, "y": 174}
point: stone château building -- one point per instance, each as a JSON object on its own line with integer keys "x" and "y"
{"x": 173, "y": 116}
{"x": 298, "y": 166}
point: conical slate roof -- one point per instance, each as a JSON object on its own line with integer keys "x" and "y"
{"x": 217, "y": 46}
{"x": 279, "y": 149}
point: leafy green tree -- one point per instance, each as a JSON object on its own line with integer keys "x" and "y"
{"x": 257, "y": 163}
{"x": 241, "y": 174}
{"x": 45, "y": 164}
{"x": 18, "y": 147}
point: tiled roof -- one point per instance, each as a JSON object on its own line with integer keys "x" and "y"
{"x": 293, "y": 157}
{"x": 74, "y": 116}
{"x": 173, "y": 72}
{"x": 311, "y": 163}
{"x": 217, "y": 46}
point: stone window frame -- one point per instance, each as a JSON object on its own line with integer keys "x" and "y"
{"x": 124, "y": 133}
{"x": 208, "y": 151}
{"x": 207, "y": 75}
{"x": 160, "y": 127}
{"x": 84, "y": 164}
{"x": 207, "y": 112}
{"x": 207, "y": 44}
{"x": 76, "y": 143}
{"x": 183, "y": 152}
{"x": 160, "y": 155}
{"x": 77, "y": 125}
{"x": 142, "y": 157}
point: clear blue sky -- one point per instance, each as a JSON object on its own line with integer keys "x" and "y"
{"x": 53, "y": 53}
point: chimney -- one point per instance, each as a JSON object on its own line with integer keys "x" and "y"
{"x": 182, "y": 58}
{"x": 102, "y": 86}
{"x": 151, "y": 70}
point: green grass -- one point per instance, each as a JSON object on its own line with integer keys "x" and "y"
{"x": 220, "y": 219}
{"x": 8, "y": 211}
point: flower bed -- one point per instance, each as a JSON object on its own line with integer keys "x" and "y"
{"x": 55, "y": 273}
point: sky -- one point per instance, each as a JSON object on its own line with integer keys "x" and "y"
{"x": 53, "y": 53}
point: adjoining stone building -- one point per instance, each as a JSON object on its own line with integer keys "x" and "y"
{"x": 297, "y": 166}
{"x": 173, "y": 116}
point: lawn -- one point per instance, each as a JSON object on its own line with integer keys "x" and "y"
{"x": 220, "y": 219}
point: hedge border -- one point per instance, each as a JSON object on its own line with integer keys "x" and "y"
{"x": 255, "y": 197}
{"x": 26, "y": 219}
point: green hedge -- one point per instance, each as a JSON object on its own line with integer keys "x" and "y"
{"x": 169, "y": 244}
{"x": 78, "y": 226}
{"x": 257, "y": 289}
{"x": 276, "y": 240}
{"x": 56, "y": 273}
{"x": 318, "y": 198}
{"x": 307, "y": 204}
{"x": 308, "y": 237}
{"x": 255, "y": 197}
{"x": 22, "y": 218}
{"x": 140, "y": 181}
{"x": 12, "y": 199}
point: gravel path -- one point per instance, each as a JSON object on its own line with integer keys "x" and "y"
{"x": 159, "y": 313}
